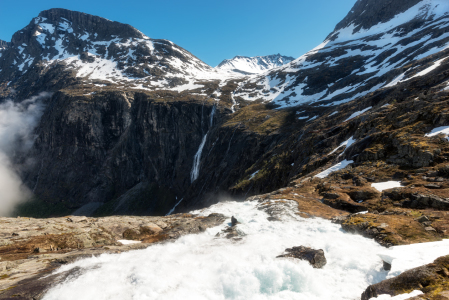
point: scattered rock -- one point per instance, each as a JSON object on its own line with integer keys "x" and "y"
{"x": 422, "y": 219}
{"x": 432, "y": 186}
{"x": 234, "y": 221}
{"x": 315, "y": 257}
{"x": 432, "y": 174}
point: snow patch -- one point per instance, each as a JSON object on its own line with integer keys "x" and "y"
{"x": 357, "y": 113}
{"x": 398, "y": 297}
{"x": 339, "y": 166}
{"x": 128, "y": 242}
{"x": 403, "y": 258}
{"x": 346, "y": 143}
{"x": 439, "y": 130}
{"x": 380, "y": 186}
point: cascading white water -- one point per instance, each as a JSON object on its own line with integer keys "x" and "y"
{"x": 197, "y": 158}
{"x": 203, "y": 266}
{"x": 196, "y": 161}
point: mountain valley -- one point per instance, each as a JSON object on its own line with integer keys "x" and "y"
{"x": 135, "y": 138}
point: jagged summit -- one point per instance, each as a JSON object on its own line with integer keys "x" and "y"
{"x": 253, "y": 65}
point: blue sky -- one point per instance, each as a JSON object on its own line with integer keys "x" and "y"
{"x": 212, "y": 30}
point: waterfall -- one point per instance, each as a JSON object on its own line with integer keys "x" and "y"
{"x": 174, "y": 207}
{"x": 197, "y": 158}
{"x": 196, "y": 161}
{"x": 212, "y": 113}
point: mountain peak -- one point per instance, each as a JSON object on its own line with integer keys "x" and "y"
{"x": 87, "y": 22}
{"x": 256, "y": 64}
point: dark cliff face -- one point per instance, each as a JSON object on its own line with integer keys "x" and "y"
{"x": 95, "y": 149}
{"x": 132, "y": 153}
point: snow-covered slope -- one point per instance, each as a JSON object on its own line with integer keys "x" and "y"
{"x": 254, "y": 65}
{"x": 361, "y": 55}
{"x": 98, "y": 49}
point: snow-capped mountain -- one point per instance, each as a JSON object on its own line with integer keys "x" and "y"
{"x": 98, "y": 49}
{"x": 377, "y": 45}
{"x": 254, "y": 65}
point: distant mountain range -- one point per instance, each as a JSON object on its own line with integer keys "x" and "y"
{"x": 254, "y": 65}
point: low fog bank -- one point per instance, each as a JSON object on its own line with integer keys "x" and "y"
{"x": 17, "y": 123}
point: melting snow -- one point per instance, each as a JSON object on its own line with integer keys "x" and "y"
{"x": 357, "y": 113}
{"x": 407, "y": 257}
{"x": 347, "y": 143}
{"x": 429, "y": 69}
{"x": 398, "y": 297}
{"x": 128, "y": 242}
{"x": 339, "y": 166}
{"x": 439, "y": 130}
{"x": 380, "y": 186}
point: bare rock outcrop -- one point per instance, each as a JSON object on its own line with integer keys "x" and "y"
{"x": 315, "y": 257}
{"x": 30, "y": 249}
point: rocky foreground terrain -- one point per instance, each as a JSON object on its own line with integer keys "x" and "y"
{"x": 30, "y": 249}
